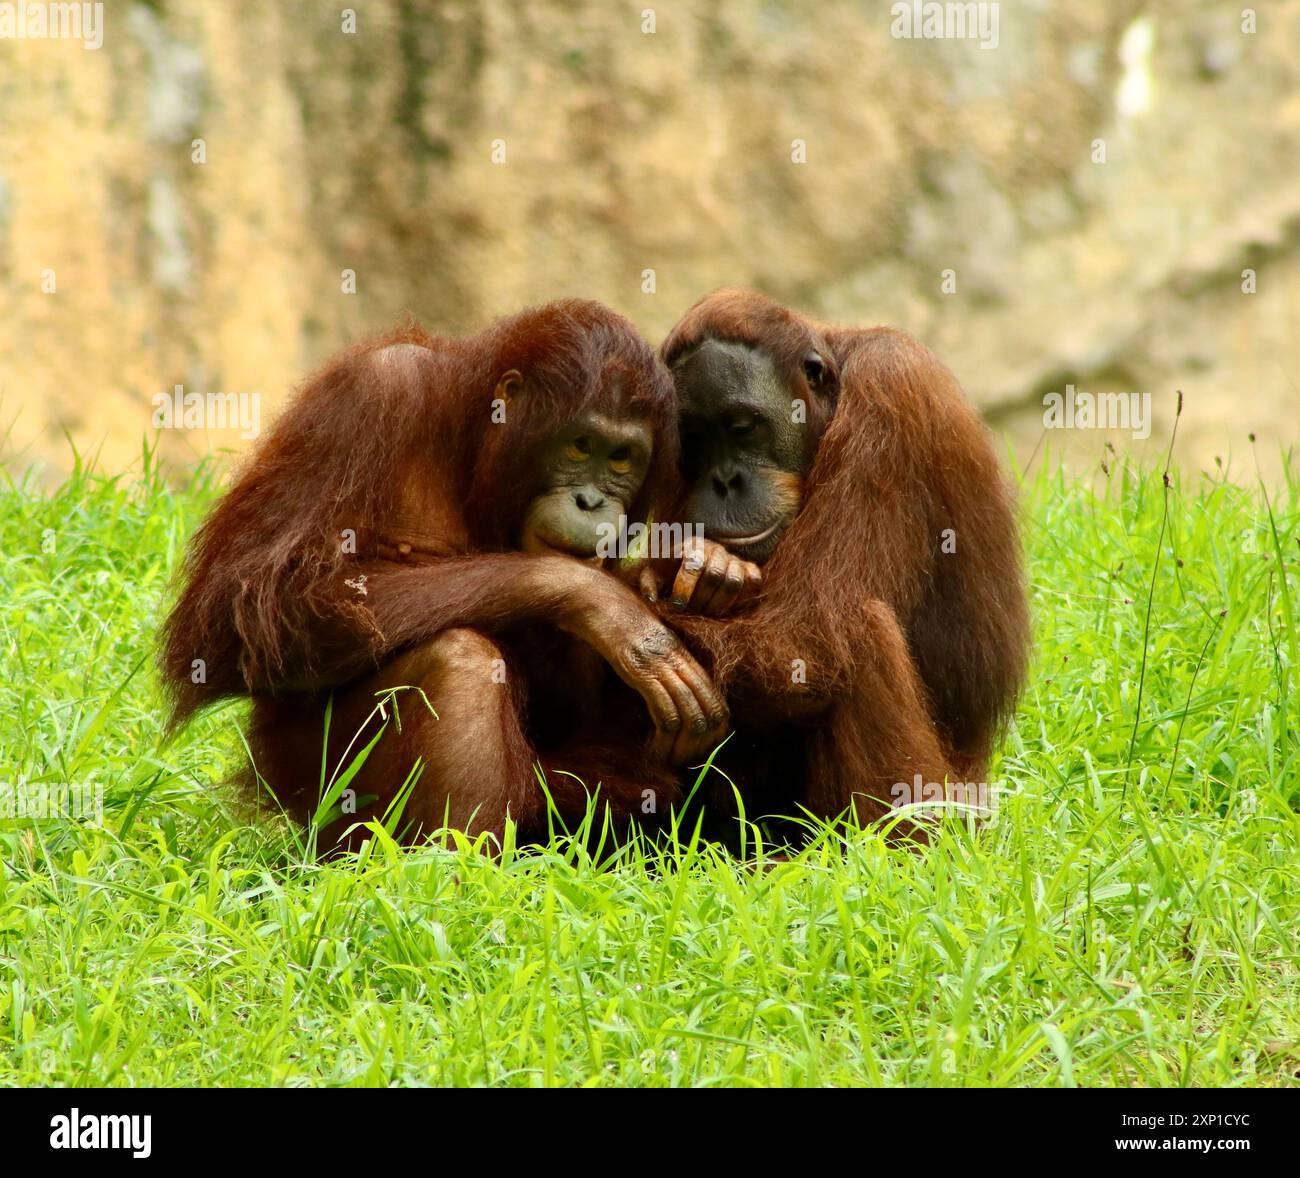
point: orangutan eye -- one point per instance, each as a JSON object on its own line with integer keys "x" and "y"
{"x": 814, "y": 370}
{"x": 578, "y": 450}
{"x": 620, "y": 460}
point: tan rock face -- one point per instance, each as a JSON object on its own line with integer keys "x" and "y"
{"x": 463, "y": 159}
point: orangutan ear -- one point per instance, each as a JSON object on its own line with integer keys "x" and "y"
{"x": 510, "y": 385}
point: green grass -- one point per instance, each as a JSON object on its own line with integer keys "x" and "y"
{"x": 1130, "y": 919}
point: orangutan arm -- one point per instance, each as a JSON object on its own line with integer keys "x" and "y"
{"x": 407, "y": 604}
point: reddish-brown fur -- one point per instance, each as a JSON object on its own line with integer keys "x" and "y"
{"x": 394, "y": 440}
{"x": 913, "y": 657}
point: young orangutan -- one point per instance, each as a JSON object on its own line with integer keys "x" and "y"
{"x": 422, "y": 525}
{"x": 890, "y": 638}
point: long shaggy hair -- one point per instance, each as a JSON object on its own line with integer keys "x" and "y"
{"x": 902, "y": 465}
{"x": 263, "y": 598}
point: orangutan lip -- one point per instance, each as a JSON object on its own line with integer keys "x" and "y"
{"x": 580, "y": 553}
{"x": 588, "y": 553}
{"x": 744, "y": 541}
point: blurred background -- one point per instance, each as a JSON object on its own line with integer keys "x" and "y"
{"x": 225, "y": 192}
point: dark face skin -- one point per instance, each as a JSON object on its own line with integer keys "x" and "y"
{"x": 744, "y": 456}
{"x": 589, "y": 473}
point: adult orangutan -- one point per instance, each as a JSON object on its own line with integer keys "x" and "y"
{"x": 425, "y": 515}
{"x": 891, "y": 633}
